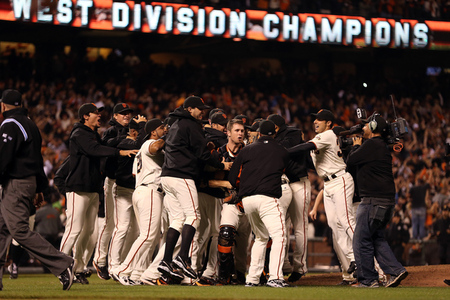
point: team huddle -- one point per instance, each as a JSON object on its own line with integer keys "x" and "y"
{"x": 180, "y": 199}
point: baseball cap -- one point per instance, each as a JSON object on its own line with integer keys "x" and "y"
{"x": 267, "y": 127}
{"x": 195, "y": 102}
{"x": 11, "y": 97}
{"x": 169, "y": 121}
{"x": 121, "y": 107}
{"x": 133, "y": 124}
{"x": 277, "y": 119}
{"x": 255, "y": 124}
{"x": 88, "y": 108}
{"x": 243, "y": 118}
{"x": 153, "y": 124}
{"x": 324, "y": 115}
{"x": 219, "y": 118}
{"x": 213, "y": 111}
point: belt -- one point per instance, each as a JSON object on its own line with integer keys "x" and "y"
{"x": 333, "y": 176}
{"x": 158, "y": 189}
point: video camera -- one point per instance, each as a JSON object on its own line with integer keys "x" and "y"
{"x": 395, "y": 130}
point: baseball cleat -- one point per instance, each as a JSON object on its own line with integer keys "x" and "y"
{"x": 352, "y": 267}
{"x": 277, "y": 283}
{"x": 346, "y": 282}
{"x": 373, "y": 284}
{"x": 13, "y": 270}
{"x": 102, "y": 272}
{"x": 80, "y": 278}
{"x": 249, "y": 284}
{"x": 395, "y": 280}
{"x": 185, "y": 266}
{"x": 125, "y": 280}
{"x": 168, "y": 270}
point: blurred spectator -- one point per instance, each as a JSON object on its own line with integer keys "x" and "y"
{"x": 397, "y": 235}
{"x": 442, "y": 229}
{"x": 418, "y": 194}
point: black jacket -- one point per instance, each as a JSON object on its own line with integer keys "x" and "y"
{"x": 374, "y": 175}
{"x": 112, "y": 137}
{"x": 20, "y": 149}
{"x": 86, "y": 151}
{"x": 217, "y": 137}
{"x": 258, "y": 168}
{"x": 124, "y": 172}
{"x": 298, "y": 167}
{"x": 185, "y": 148}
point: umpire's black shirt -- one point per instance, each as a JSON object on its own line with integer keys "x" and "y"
{"x": 20, "y": 146}
{"x": 258, "y": 168}
{"x": 374, "y": 169}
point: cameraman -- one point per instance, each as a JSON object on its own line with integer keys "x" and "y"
{"x": 377, "y": 190}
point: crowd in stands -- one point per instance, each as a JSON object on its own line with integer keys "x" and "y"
{"x": 409, "y": 9}
{"x": 54, "y": 87}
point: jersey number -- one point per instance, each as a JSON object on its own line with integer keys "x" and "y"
{"x": 139, "y": 163}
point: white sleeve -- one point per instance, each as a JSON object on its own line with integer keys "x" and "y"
{"x": 324, "y": 140}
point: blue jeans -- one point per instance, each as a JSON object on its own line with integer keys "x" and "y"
{"x": 369, "y": 242}
{"x": 418, "y": 217}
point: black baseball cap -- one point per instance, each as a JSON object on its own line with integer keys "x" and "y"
{"x": 213, "y": 111}
{"x": 88, "y": 108}
{"x": 133, "y": 124}
{"x": 255, "y": 124}
{"x": 195, "y": 102}
{"x": 153, "y": 124}
{"x": 243, "y": 118}
{"x": 121, "y": 108}
{"x": 11, "y": 97}
{"x": 266, "y": 127}
{"x": 277, "y": 119}
{"x": 324, "y": 115}
{"x": 219, "y": 118}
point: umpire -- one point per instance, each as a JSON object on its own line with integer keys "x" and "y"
{"x": 376, "y": 186}
{"x": 256, "y": 172}
{"x": 22, "y": 177}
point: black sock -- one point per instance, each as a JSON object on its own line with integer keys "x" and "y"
{"x": 187, "y": 235}
{"x": 171, "y": 240}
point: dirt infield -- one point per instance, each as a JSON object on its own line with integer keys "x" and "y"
{"x": 423, "y": 276}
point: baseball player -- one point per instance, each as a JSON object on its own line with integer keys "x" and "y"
{"x": 111, "y": 137}
{"x": 300, "y": 185}
{"x": 210, "y": 205}
{"x": 257, "y": 172}
{"x": 125, "y": 230}
{"x": 147, "y": 205}
{"x": 84, "y": 183}
{"x": 338, "y": 187}
{"x": 234, "y": 226}
{"x": 185, "y": 149}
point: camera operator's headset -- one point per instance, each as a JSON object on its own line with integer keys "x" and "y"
{"x": 373, "y": 126}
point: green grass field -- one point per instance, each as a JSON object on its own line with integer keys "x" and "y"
{"x": 44, "y": 286}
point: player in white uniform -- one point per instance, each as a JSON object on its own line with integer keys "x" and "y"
{"x": 338, "y": 187}
{"x": 147, "y": 205}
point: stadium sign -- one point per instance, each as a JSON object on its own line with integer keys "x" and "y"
{"x": 181, "y": 19}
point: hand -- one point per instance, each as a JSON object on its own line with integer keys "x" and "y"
{"x": 38, "y": 199}
{"x": 140, "y": 118}
{"x": 357, "y": 140}
{"x": 313, "y": 214}
{"x": 128, "y": 153}
{"x": 227, "y": 165}
{"x": 211, "y": 146}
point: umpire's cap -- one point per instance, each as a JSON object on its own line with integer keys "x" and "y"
{"x": 12, "y": 97}
{"x": 195, "y": 102}
{"x": 88, "y": 108}
{"x": 324, "y": 115}
{"x": 267, "y": 127}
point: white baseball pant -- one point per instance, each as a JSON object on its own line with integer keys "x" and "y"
{"x": 125, "y": 230}
{"x": 147, "y": 204}
{"x": 81, "y": 212}
{"x": 266, "y": 218}
{"x": 105, "y": 225}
